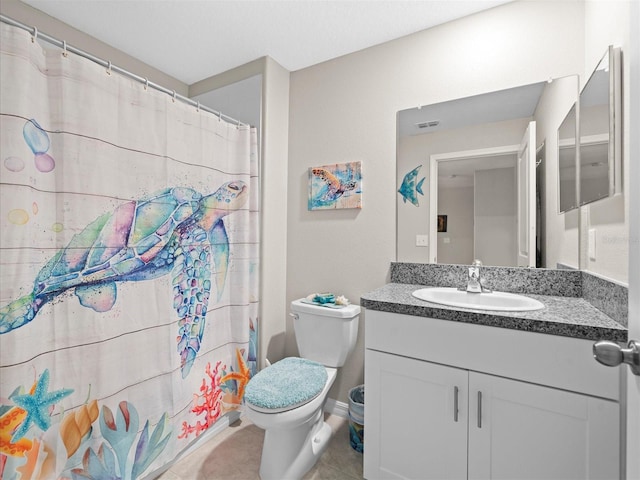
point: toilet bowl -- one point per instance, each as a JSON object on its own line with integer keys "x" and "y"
{"x": 295, "y": 438}
{"x": 287, "y": 398}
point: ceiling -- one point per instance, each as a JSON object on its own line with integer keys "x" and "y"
{"x": 194, "y": 39}
{"x": 460, "y": 173}
{"x": 509, "y": 104}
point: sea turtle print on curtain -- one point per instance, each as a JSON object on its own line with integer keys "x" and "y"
{"x": 175, "y": 230}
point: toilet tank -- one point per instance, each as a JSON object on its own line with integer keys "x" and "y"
{"x": 324, "y": 334}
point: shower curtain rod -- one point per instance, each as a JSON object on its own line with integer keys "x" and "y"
{"x": 110, "y": 67}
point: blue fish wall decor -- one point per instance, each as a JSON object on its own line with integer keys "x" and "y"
{"x": 409, "y": 188}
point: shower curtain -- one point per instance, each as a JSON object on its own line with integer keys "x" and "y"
{"x": 128, "y": 268}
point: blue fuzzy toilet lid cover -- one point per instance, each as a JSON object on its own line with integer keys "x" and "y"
{"x": 286, "y": 384}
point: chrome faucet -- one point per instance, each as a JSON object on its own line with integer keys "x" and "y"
{"x": 475, "y": 282}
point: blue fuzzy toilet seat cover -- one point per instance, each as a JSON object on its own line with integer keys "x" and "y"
{"x": 286, "y": 384}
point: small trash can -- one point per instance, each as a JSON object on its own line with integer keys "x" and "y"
{"x": 356, "y": 418}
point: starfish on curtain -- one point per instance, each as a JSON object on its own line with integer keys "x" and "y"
{"x": 36, "y": 404}
{"x": 8, "y": 422}
{"x": 242, "y": 376}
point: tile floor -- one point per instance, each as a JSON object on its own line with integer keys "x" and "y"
{"x": 235, "y": 455}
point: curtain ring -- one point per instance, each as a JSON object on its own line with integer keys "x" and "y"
{"x": 219, "y": 116}
{"x": 146, "y": 83}
{"x": 109, "y": 68}
{"x": 34, "y": 37}
{"x": 198, "y": 107}
{"x": 174, "y": 97}
{"x": 64, "y": 48}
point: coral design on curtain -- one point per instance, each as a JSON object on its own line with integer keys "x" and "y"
{"x": 128, "y": 268}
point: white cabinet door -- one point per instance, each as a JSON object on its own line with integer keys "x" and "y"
{"x": 523, "y": 431}
{"x": 412, "y": 428}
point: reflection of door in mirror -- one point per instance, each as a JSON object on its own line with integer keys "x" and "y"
{"x": 541, "y": 217}
{"x": 527, "y": 198}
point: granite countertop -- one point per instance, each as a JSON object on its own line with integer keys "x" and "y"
{"x": 564, "y": 316}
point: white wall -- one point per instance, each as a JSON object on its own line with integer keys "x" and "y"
{"x": 457, "y": 204}
{"x": 345, "y": 110}
{"x": 560, "y": 239}
{"x": 495, "y": 213}
{"x": 274, "y": 242}
{"x": 241, "y": 100}
{"x": 607, "y": 24}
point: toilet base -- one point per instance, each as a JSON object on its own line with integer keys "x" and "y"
{"x": 287, "y": 454}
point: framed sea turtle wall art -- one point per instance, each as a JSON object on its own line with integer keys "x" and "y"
{"x": 335, "y": 186}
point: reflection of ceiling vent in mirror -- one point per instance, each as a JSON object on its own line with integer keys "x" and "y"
{"x": 429, "y": 124}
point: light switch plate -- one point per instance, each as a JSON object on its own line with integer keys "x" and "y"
{"x": 422, "y": 240}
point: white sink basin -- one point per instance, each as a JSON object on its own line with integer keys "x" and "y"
{"x": 500, "y": 301}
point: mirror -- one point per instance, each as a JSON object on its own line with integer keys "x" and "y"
{"x": 567, "y": 162}
{"x": 600, "y": 158}
{"x": 466, "y": 178}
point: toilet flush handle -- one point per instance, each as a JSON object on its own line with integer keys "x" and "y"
{"x": 294, "y": 316}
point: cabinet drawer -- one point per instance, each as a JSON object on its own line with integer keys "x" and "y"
{"x": 559, "y": 362}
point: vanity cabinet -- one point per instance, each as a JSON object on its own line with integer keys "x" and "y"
{"x": 438, "y": 405}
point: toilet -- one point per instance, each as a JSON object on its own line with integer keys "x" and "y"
{"x": 287, "y": 398}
